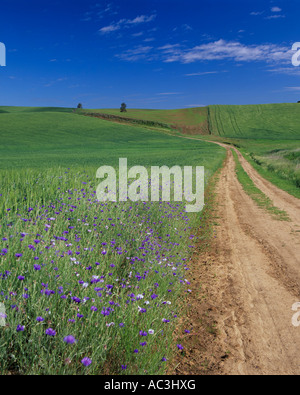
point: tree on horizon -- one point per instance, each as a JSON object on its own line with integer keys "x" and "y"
{"x": 123, "y": 107}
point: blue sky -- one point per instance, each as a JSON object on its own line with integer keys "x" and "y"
{"x": 150, "y": 54}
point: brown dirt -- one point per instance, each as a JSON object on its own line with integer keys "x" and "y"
{"x": 242, "y": 302}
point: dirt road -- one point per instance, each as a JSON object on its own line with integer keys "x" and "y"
{"x": 258, "y": 278}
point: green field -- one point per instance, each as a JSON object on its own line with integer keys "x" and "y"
{"x": 269, "y": 121}
{"x": 268, "y": 136}
{"x": 90, "y": 287}
{"x": 187, "y": 121}
{"x": 40, "y": 138}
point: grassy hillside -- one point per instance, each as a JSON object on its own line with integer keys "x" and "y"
{"x": 37, "y": 138}
{"x": 269, "y": 121}
{"x": 188, "y": 121}
{"x": 268, "y": 135}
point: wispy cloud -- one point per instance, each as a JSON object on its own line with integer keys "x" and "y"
{"x": 202, "y": 73}
{"x": 257, "y": 13}
{"x": 275, "y": 17}
{"x": 293, "y": 88}
{"x": 275, "y": 13}
{"x": 110, "y": 28}
{"x": 227, "y": 50}
{"x": 141, "y": 19}
{"x": 286, "y": 70}
{"x": 98, "y": 11}
{"x": 138, "y": 53}
{"x": 169, "y": 93}
{"x": 127, "y": 23}
{"x": 55, "y": 82}
{"x": 276, "y": 9}
{"x": 275, "y": 55}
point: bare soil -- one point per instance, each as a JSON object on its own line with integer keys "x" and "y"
{"x": 245, "y": 286}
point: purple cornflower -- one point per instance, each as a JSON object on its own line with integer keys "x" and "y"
{"x": 21, "y": 278}
{"x": 37, "y": 267}
{"x": 124, "y": 367}
{"x": 86, "y": 361}
{"x": 20, "y": 328}
{"x": 40, "y": 319}
{"x": 180, "y": 347}
{"x": 142, "y": 333}
{"x": 50, "y": 332}
{"x": 69, "y": 339}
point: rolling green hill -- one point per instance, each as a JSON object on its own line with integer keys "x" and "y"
{"x": 187, "y": 121}
{"x": 269, "y": 121}
{"x": 51, "y": 137}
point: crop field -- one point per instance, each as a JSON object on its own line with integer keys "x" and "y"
{"x": 269, "y": 121}
{"x": 187, "y": 121}
{"x": 268, "y": 135}
{"x": 90, "y": 287}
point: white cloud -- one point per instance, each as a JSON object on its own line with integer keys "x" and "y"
{"x": 138, "y": 34}
{"x": 141, "y": 19}
{"x": 293, "y": 88}
{"x": 110, "y": 28}
{"x": 227, "y": 50}
{"x": 254, "y": 13}
{"x": 275, "y": 55}
{"x": 276, "y": 9}
{"x": 286, "y": 70}
{"x": 202, "y": 73}
{"x": 275, "y": 17}
{"x": 126, "y": 23}
{"x": 137, "y": 53}
{"x": 170, "y": 93}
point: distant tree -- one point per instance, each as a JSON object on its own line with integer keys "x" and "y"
{"x": 123, "y": 107}
{"x": 79, "y": 105}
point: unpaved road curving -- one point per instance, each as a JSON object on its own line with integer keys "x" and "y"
{"x": 258, "y": 278}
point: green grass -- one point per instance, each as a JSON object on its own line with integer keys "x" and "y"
{"x": 139, "y": 252}
{"x": 267, "y": 135}
{"x": 269, "y": 121}
{"x": 41, "y": 139}
{"x": 256, "y": 194}
{"x": 187, "y": 121}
